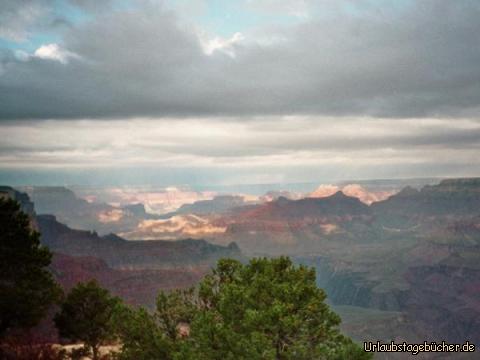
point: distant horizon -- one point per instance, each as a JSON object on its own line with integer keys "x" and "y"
{"x": 257, "y": 188}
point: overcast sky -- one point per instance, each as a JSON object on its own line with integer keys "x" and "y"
{"x": 246, "y": 91}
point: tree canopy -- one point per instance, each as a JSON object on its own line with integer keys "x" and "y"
{"x": 86, "y": 315}
{"x": 266, "y": 309}
{"x": 27, "y": 288}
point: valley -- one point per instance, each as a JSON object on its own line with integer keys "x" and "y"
{"x": 405, "y": 267}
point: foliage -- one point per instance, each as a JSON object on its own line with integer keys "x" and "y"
{"x": 26, "y": 286}
{"x": 87, "y": 315}
{"x": 145, "y": 336}
{"x": 267, "y": 309}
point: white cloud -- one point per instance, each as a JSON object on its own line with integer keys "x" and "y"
{"x": 54, "y": 52}
{"x": 226, "y": 46}
{"x": 229, "y": 143}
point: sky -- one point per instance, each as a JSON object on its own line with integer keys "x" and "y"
{"x": 231, "y": 92}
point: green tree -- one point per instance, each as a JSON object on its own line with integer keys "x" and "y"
{"x": 158, "y": 336}
{"x": 268, "y": 309}
{"x": 140, "y": 336}
{"x": 87, "y": 314}
{"x": 27, "y": 288}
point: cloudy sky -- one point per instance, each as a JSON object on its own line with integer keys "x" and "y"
{"x": 246, "y": 91}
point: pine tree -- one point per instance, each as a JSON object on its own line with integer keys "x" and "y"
{"x": 27, "y": 288}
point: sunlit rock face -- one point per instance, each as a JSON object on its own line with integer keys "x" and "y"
{"x": 110, "y": 216}
{"x": 325, "y": 190}
{"x": 176, "y": 227}
{"x": 354, "y": 190}
{"x": 155, "y": 200}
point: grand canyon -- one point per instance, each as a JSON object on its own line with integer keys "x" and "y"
{"x": 274, "y": 165}
{"x": 404, "y": 267}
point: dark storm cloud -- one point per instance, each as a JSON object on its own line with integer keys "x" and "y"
{"x": 17, "y": 16}
{"x": 20, "y": 19}
{"x": 420, "y": 60}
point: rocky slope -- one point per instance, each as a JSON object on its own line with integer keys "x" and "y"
{"x": 81, "y": 214}
{"x": 137, "y": 287}
{"x": 296, "y": 227}
{"x": 217, "y": 205}
{"x": 120, "y": 253}
{"x": 23, "y": 199}
{"x": 415, "y": 254}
